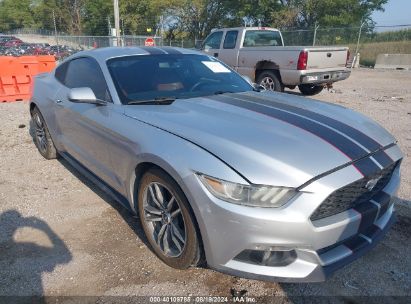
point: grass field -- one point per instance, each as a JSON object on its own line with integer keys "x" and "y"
{"x": 369, "y": 51}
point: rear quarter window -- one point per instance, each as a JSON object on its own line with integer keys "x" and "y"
{"x": 262, "y": 38}
{"x": 60, "y": 72}
{"x": 230, "y": 40}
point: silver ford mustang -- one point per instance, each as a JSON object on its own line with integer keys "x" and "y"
{"x": 256, "y": 184}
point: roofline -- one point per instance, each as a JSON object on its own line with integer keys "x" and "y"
{"x": 246, "y": 28}
{"x": 107, "y": 53}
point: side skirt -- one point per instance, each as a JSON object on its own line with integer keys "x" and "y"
{"x": 97, "y": 181}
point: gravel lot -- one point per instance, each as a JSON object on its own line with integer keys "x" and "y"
{"x": 61, "y": 236}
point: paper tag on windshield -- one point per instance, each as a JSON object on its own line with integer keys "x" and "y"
{"x": 216, "y": 67}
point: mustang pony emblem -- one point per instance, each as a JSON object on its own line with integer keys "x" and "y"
{"x": 372, "y": 183}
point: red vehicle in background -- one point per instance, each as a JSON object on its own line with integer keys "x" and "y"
{"x": 13, "y": 42}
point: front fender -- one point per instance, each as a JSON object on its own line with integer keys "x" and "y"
{"x": 181, "y": 159}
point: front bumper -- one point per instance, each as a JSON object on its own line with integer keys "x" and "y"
{"x": 318, "y": 272}
{"x": 321, "y": 247}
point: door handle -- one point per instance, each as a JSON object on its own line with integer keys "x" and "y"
{"x": 59, "y": 101}
{"x": 215, "y": 54}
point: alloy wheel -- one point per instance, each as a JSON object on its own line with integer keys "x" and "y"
{"x": 40, "y": 132}
{"x": 163, "y": 216}
{"x": 268, "y": 83}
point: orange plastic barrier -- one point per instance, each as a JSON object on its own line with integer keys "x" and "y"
{"x": 16, "y": 75}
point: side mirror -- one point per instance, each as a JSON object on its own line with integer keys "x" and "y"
{"x": 84, "y": 95}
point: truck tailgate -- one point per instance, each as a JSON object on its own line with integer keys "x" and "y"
{"x": 326, "y": 58}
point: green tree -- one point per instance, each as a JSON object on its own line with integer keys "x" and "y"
{"x": 193, "y": 18}
{"x": 199, "y": 17}
{"x": 97, "y": 14}
{"x": 253, "y": 12}
{"x": 16, "y": 14}
{"x": 331, "y": 13}
{"x": 68, "y": 14}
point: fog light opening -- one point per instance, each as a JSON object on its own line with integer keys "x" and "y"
{"x": 267, "y": 258}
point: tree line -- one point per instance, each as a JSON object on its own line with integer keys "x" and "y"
{"x": 176, "y": 19}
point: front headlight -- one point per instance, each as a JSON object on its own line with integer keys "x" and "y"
{"x": 255, "y": 196}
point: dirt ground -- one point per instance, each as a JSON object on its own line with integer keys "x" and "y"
{"x": 61, "y": 236}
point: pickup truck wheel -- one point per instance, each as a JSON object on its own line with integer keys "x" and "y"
{"x": 309, "y": 90}
{"x": 269, "y": 80}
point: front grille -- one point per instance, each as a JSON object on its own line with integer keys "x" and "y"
{"x": 353, "y": 194}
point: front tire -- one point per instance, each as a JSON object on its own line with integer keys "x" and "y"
{"x": 42, "y": 138}
{"x": 309, "y": 89}
{"x": 167, "y": 220}
{"x": 270, "y": 81}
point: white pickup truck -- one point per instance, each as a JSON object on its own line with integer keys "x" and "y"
{"x": 260, "y": 54}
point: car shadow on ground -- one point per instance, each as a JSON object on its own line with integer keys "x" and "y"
{"x": 132, "y": 220}
{"x": 22, "y": 263}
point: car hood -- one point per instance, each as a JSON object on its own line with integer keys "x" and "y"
{"x": 270, "y": 138}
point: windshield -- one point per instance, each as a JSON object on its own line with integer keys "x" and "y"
{"x": 150, "y": 77}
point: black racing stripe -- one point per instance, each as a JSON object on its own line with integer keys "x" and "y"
{"x": 335, "y": 169}
{"x": 368, "y": 213}
{"x": 372, "y": 232}
{"x": 351, "y": 132}
{"x": 170, "y": 50}
{"x": 383, "y": 159}
{"x": 152, "y": 50}
{"x": 356, "y": 243}
{"x": 367, "y": 166}
{"x": 339, "y": 141}
{"x": 383, "y": 199}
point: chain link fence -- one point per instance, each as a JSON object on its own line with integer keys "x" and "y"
{"x": 89, "y": 42}
{"x": 369, "y": 43}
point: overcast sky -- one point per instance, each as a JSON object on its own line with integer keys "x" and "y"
{"x": 396, "y": 12}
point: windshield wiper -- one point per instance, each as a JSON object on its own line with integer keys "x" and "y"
{"x": 155, "y": 101}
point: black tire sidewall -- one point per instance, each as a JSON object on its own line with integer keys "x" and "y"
{"x": 50, "y": 152}
{"x": 191, "y": 253}
{"x": 310, "y": 90}
{"x": 278, "y": 86}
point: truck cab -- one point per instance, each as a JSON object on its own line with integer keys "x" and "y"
{"x": 259, "y": 53}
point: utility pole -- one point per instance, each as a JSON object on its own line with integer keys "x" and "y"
{"x": 117, "y": 20}
{"x": 123, "y": 40}
{"x": 55, "y": 32}
{"x": 162, "y": 28}
{"x": 316, "y": 26}
{"x": 358, "y": 43}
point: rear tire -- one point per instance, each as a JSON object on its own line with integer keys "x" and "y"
{"x": 170, "y": 228}
{"x": 270, "y": 81}
{"x": 42, "y": 138}
{"x": 309, "y": 90}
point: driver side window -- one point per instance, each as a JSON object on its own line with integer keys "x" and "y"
{"x": 213, "y": 41}
{"x": 85, "y": 72}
